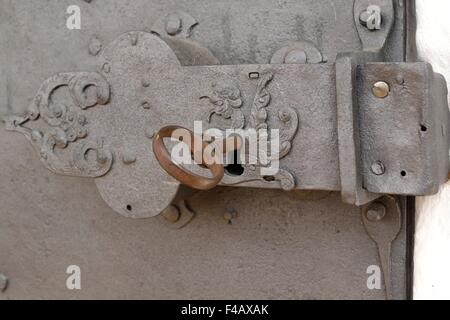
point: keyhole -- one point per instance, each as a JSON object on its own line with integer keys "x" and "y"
{"x": 235, "y": 168}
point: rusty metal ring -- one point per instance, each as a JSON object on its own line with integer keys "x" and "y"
{"x": 178, "y": 172}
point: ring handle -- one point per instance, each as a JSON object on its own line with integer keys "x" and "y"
{"x": 178, "y": 172}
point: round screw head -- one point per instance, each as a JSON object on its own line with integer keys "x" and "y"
{"x": 173, "y": 24}
{"x": 381, "y": 89}
{"x": 128, "y": 158}
{"x": 371, "y": 18}
{"x": 171, "y": 214}
{"x": 376, "y": 212}
{"x": 102, "y": 158}
{"x": 145, "y": 105}
{"x": 230, "y": 214}
{"x": 400, "y": 80}
{"x": 378, "y": 168}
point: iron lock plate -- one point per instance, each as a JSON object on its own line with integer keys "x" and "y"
{"x": 333, "y": 130}
{"x": 143, "y": 80}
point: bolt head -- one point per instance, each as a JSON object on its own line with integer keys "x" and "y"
{"x": 376, "y": 212}
{"x": 378, "y": 168}
{"x": 171, "y": 214}
{"x": 400, "y": 80}
{"x": 145, "y": 105}
{"x": 82, "y": 133}
{"x": 363, "y": 17}
{"x": 371, "y": 18}
{"x": 230, "y": 214}
{"x": 128, "y": 158}
{"x": 82, "y": 120}
{"x": 381, "y": 89}
{"x": 102, "y": 158}
{"x": 173, "y": 24}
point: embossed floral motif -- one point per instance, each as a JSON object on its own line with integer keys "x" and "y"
{"x": 227, "y": 102}
{"x": 64, "y": 124}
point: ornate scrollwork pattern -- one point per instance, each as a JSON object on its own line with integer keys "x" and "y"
{"x": 258, "y": 115}
{"x": 64, "y": 125}
{"x": 228, "y": 99}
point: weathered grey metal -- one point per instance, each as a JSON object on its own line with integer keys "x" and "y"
{"x": 307, "y": 247}
{"x": 386, "y": 131}
{"x": 278, "y": 247}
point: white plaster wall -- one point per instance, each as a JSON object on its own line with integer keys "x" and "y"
{"x": 432, "y": 248}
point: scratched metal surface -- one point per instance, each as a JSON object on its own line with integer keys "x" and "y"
{"x": 280, "y": 245}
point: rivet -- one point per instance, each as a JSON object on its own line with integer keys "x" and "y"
{"x": 82, "y": 133}
{"x": 82, "y": 120}
{"x": 101, "y": 157}
{"x": 145, "y": 105}
{"x": 95, "y": 46}
{"x": 128, "y": 158}
{"x": 381, "y": 89}
{"x": 371, "y": 18}
{"x": 4, "y": 281}
{"x": 230, "y": 214}
{"x": 171, "y": 214}
{"x": 378, "y": 168}
{"x": 173, "y": 24}
{"x": 399, "y": 79}
{"x": 376, "y": 212}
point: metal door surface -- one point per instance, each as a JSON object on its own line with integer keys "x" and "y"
{"x": 225, "y": 243}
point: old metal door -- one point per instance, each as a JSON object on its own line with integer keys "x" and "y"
{"x": 134, "y": 233}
